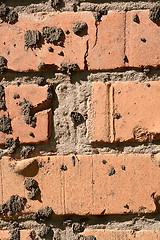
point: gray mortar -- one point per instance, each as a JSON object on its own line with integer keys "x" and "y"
{"x": 53, "y": 35}
{"x": 32, "y": 38}
{"x": 79, "y": 28}
{"x": 11, "y": 145}
{"x": 27, "y": 112}
{"x": 69, "y": 67}
{"x": 2, "y": 98}
{"x": 26, "y": 151}
{"x": 58, "y": 228}
{"x": 43, "y": 214}
{"x": 32, "y": 186}
{"x": 66, "y": 135}
{"x": 4, "y": 10}
{"x": 73, "y": 5}
{"x": 3, "y": 63}
{"x": 5, "y": 124}
{"x": 154, "y": 13}
{"x": 12, "y": 17}
{"x": 8, "y": 15}
{"x": 12, "y": 206}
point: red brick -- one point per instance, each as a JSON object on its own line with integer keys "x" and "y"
{"x": 24, "y": 234}
{"x": 87, "y": 187}
{"x": 37, "y": 96}
{"x": 4, "y": 234}
{"x": 139, "y": 107}
{"x": 108, "y": 50}
{"x": 78, "y": 185}
{"x": 100, "y": 113}
{"x": 135, "y": 104}
{"x": 42, "y": 131}
{"x": 105, "y": 234}
{"x": 21, "y": 59}
{"x": 49, "y": 178}
{"x": 12, "y": 183}
{"x": 141, "y": 53}
{"x": 122, "y": 36}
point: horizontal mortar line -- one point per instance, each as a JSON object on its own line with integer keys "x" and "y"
{"x": 124, "y": 144}
{"x": 109, "y": 71}
{"x": 97, "y": 219}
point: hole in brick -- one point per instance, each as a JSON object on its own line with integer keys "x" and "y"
{"x": 63, "y": 167}
{"x": 126, "y": 206}
{"x": 104, "y": 161}
{"x": 123, "y": 167}
{"x": 111, "y": 171}
{"x": 135, "y": 18}
{"x": 143, "y": 39}
{"x": 16, "y": 95}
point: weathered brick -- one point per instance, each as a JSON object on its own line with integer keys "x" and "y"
{"x": 95, "y": 184}
{"x": 124, "y": 111}
{"x": 4, "y": 234}
{"x": 139, "y": 108}
{"x": 24, "y": 234}
{"x": 123, "y": 36}
{"x": 22, "y": 59}
{"x": 37, "y": 97}
{"x": 46, "y": 171}
{"x": 106, "y": 234}
{"x": 78, "y": 179}
{"x": 100, "y": 108}
{"x": 106, "y": 51}
{"x": 142, "y": 40}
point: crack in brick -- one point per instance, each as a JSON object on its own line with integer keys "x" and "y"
{"x": 86, "y": 55}
{"x": 125, "y": 59}
{"x": 97, "y": 25}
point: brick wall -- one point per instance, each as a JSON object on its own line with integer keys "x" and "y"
{"x": 79, "y": 120}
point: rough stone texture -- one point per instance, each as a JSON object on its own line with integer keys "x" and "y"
{"x": 95, "y": 191}
{"x": 67, "y": 133}
{"x": 111, "y": 119}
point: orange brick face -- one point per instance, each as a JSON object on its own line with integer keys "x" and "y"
{"x": 24, "y": 234}
{"x": 106, "y": 52}
{"x": 100, "y": 113}
{"x": 101, "y": 48}
{"x": 95, "y": 184}
{"x": 23, "y": 59}
{"x": 142, "y": 40}
{"x": 128, "y": 111}
{"x": 18, "y": 110}
{"x": 122, "y": 234}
